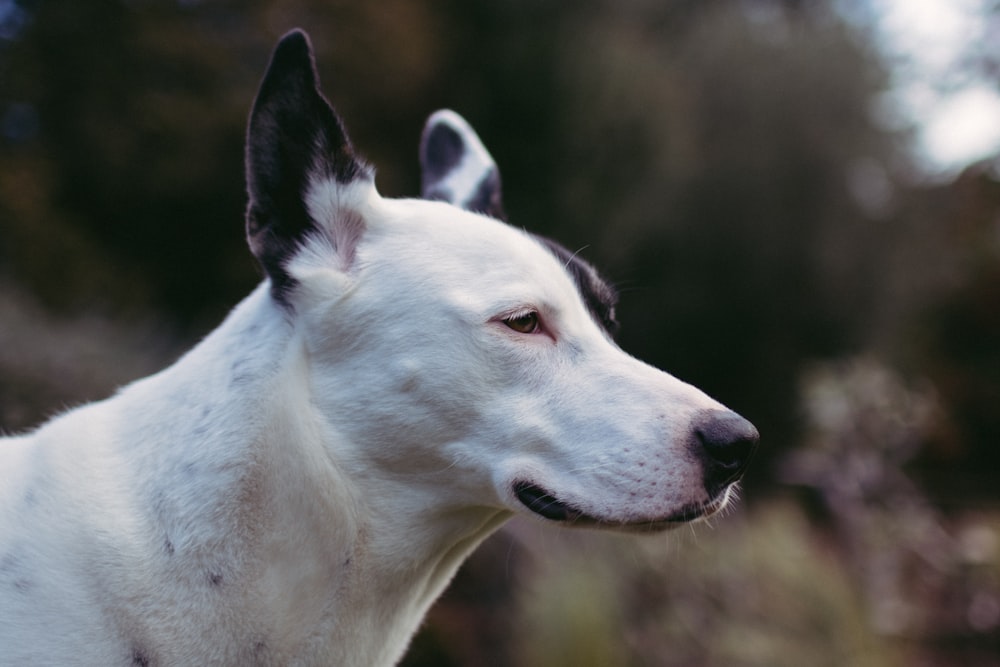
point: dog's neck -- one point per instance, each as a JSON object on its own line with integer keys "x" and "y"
{"x": 324, "y": 548}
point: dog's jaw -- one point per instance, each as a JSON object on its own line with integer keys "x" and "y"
{"x": 543, "y": 503}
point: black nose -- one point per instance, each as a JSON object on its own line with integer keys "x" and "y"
{"x": 727, "y": 441}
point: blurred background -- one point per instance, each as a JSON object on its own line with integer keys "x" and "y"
{"x": 799, "y": 200}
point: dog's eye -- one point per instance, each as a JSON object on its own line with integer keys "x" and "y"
{"x": 526, "y": 323}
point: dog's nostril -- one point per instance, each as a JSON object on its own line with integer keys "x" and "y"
{"x": 727, "y": 442}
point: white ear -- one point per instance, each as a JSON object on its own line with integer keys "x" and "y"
{"x": 296, "y": 152}
{"x": 456, "y": 167}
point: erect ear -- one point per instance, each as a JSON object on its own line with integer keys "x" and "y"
{"x": 295, "y": 146}
{"x": 455, "y": 166}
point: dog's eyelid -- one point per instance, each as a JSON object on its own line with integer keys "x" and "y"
{"x": 521, "y": 311}
{"x": 525, "y": 320}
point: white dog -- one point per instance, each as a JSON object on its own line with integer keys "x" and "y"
{"x": 301, "y": 486}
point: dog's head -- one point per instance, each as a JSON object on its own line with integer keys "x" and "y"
{"x": 456, "y": 354}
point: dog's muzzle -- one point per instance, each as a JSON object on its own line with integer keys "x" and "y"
{"x": 724, "y": 442}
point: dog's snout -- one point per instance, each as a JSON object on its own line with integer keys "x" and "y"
{"x": 726, "y": 441}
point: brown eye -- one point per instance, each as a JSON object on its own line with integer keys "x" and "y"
{"x": 526, "y": 323}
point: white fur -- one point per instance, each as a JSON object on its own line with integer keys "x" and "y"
{"x": 301, "y": 486}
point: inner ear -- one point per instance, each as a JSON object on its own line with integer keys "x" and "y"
{"x": 295, "y": 140}
{"x": 455, "y": 166}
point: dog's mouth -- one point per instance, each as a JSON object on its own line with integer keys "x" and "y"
{"x": 545, "y": 504}
{"x": 542, "y": 503}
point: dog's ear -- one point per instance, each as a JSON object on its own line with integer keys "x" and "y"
{"x": 296, "y": 144}
{"x": 455, "y": 166}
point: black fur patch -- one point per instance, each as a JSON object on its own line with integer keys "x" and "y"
{"x": 139, "y": 658}
{"x": 293, "y": 135}
{"x": 487, "y": 199}
{"x": 11, "y": 573}
{"x": 598, "y": 295}
{"x": 442, "y": 152}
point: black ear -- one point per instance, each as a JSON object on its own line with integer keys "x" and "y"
{"x": 294, "y": 141}
{"x": 455, "y": 166}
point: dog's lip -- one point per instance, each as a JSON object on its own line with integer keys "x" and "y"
{"x": 545, "y": 504}
{"x": 541, "y": 502}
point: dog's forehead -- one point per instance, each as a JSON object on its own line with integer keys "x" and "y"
{"x": 440, "y": 243}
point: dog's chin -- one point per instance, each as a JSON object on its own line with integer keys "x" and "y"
{"x": 547, "y": 505}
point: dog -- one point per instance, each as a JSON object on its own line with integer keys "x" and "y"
{"x": 300, "y": 486}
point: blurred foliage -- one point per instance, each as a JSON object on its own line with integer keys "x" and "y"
{"x": 722, "y": 160}
{"x": 765, "y": 590}
{"x": 958, "y": 341}
{"x": 50, "y": 362}
{"x": 864, "y": 424}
